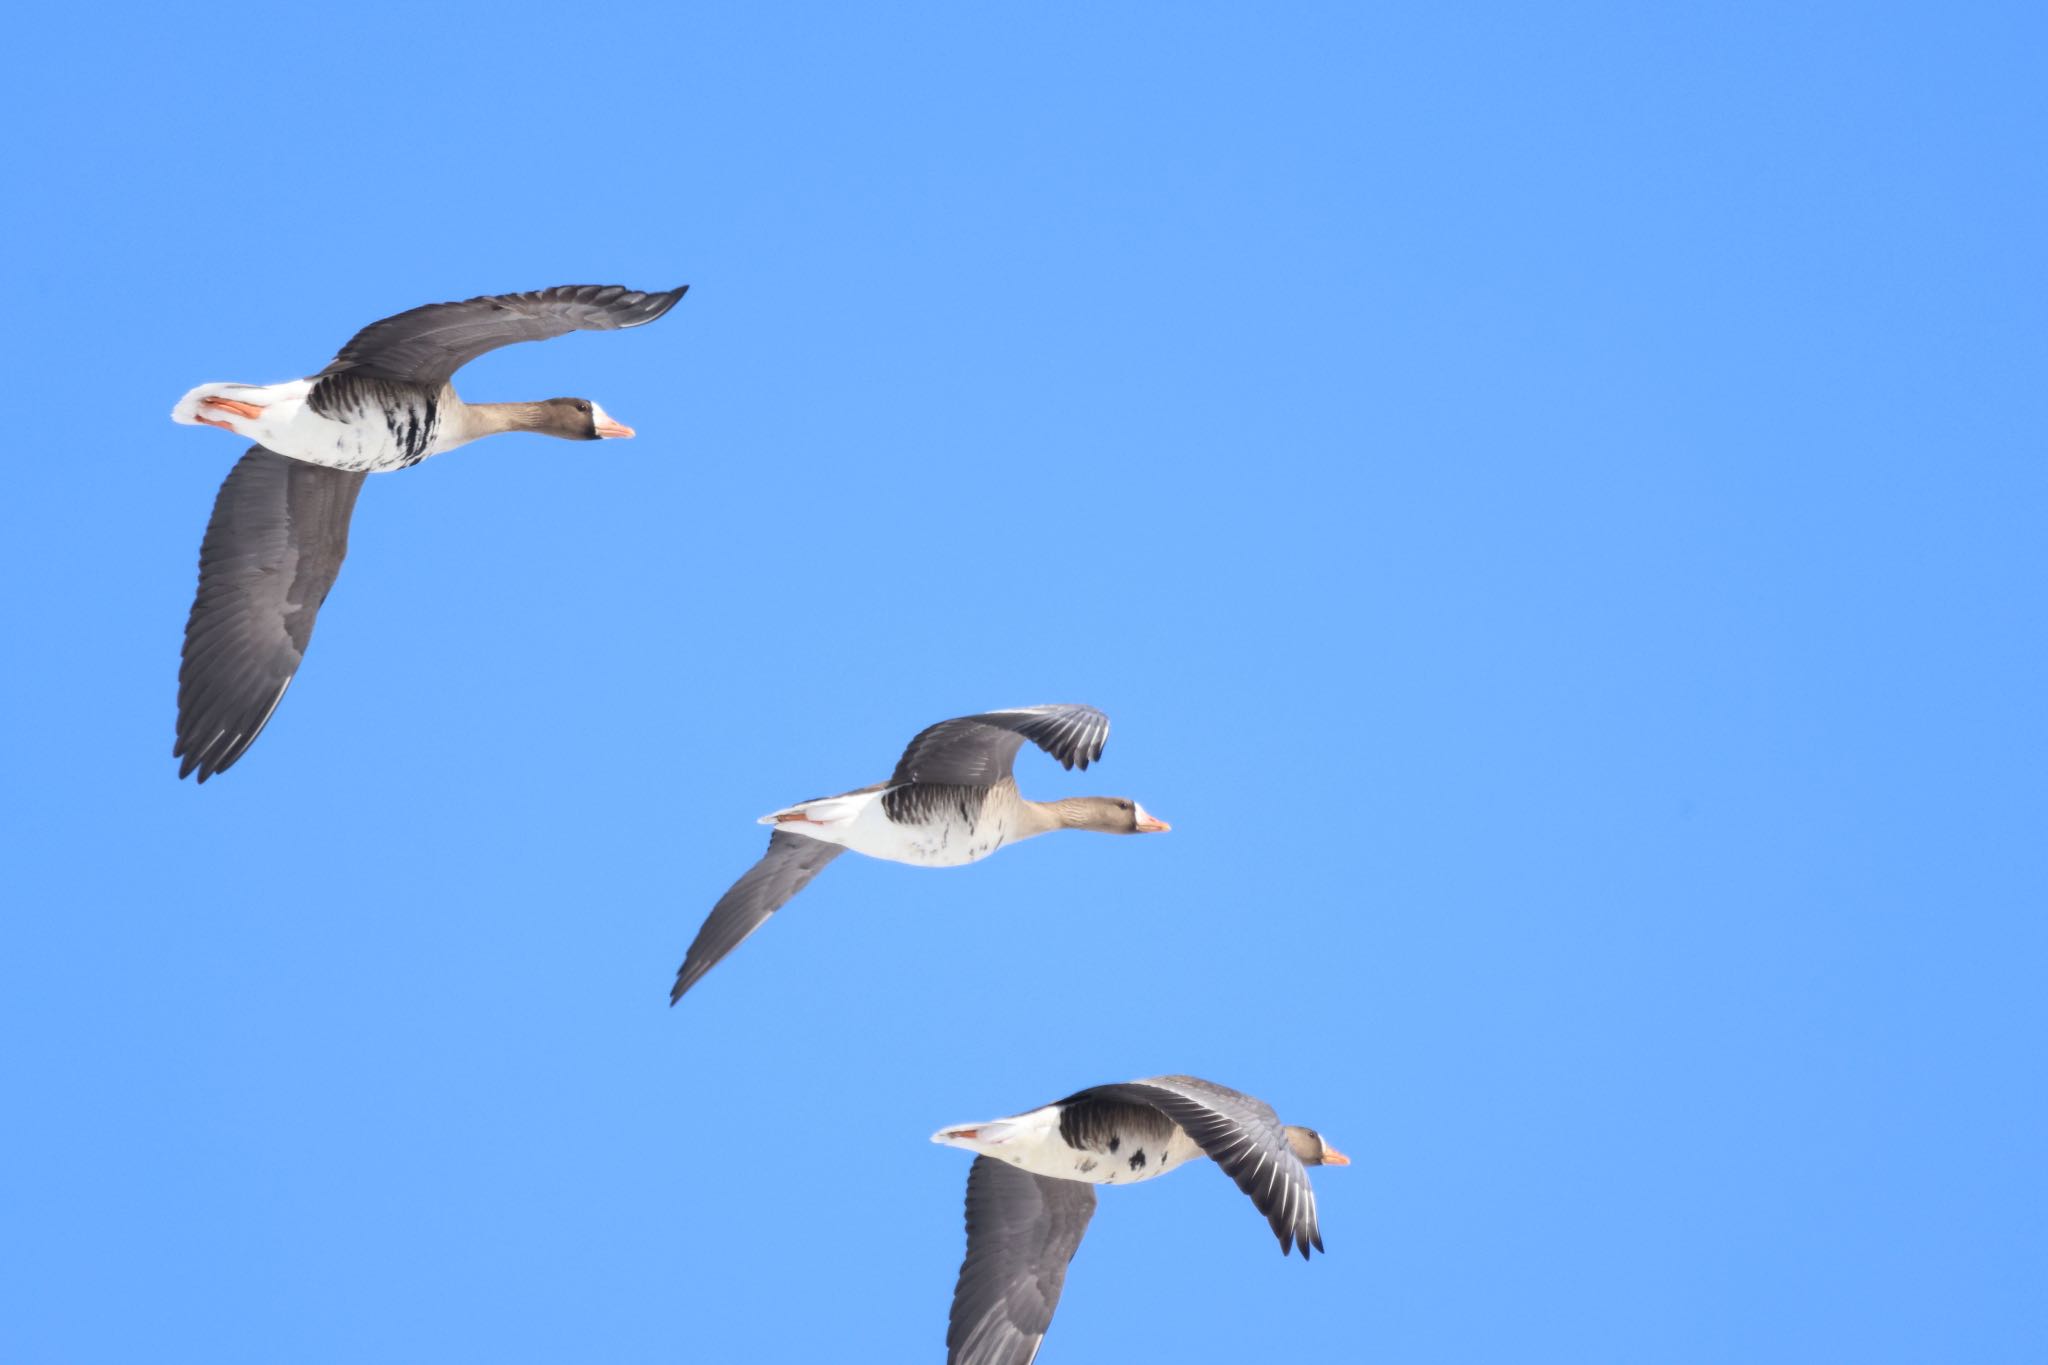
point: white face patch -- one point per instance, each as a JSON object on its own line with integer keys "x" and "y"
{"x": 597, "y": 413}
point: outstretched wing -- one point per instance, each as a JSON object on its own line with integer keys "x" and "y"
{"x": 428, "y": 345}
{"x": 785, "y": 869}
{"x": 1022, "y": 1229}
{"x": 978, "y": 751}
{"x": 1243, "y": 1136}
{"x": 275, "y": 543}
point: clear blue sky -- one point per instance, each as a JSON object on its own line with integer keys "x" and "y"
{"x": 1553, "y": 499}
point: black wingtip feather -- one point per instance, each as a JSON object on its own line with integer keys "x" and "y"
{"x": 687, "y": 975}
{"x": 657, "y": 304}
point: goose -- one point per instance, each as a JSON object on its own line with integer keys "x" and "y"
{"x": 1030, "y": 1192}
{"x": 280, "y": 522}
{"x": 951, "y": 800}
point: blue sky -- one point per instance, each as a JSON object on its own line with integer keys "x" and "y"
{"x": 1552, "y": 499}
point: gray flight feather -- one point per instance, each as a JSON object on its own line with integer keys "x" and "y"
{"x": 272, "y": 550}
{"x": 785, "y": 869}
{"x": 978, "y": 751}
{"x": 427, "y": 345}
{"x": 1022, "y": 1229}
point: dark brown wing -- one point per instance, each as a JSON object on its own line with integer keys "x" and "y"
{"x": 978, "y": 751}
{"x": 427, "y": 345}
{"x": 275, "y": 543}
{"x": 1022, "y": 1229}
{"x": 785, "y": 869}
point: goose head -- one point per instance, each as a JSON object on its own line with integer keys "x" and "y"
{"x": 1109, "y": 815}
{"x": 1308, "y": 1145}
{"x": 577, "y": 419}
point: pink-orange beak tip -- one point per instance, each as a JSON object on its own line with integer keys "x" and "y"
{"x": 1333, "y": 1157}
{"x": 613, "y": 431}
{"x": 1152, "y": 824}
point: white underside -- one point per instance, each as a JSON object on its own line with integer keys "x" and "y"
{"x": 289, "y": 427}
{"x": 856, "y": 821}
{"x": 1031, "y": 1142}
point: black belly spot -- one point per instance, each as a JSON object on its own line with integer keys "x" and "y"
{"x": 1114, "y": 1143}
{"x": 1138, "y": 1159}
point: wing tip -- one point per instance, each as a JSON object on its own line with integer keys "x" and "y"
{"x": 194, "y": 758}
{"x": 687, "y": 975}
{"x": 655, "y": 304}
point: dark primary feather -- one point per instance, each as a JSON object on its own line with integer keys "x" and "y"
{"x": 427, "y": 345}
{"x": 275, "y": 543}
{"x": 785, "y": 869}
{"x": 978, "y": 751}
{"x": 1242, "y": 1135}
{"x": 1022, "y": 1229}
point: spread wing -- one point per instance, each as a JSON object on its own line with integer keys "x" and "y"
{"x": 785, "y": 869}
{"x": 978, "y": 751}
{"x": 428, "y": 345}
{"x": 1243, "y": 1136}
{"x": 1022, "y": 1229}
{"x": 275, "y": 543}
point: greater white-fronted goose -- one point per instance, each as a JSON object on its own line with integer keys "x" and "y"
{"x": 280, "y": 523}
{"x": 951, "y": 800}
{"x": 1030, "y": 1192}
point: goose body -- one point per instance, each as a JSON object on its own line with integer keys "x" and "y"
{"x": 939, "y": 834}
{"x": 952, "y": 800}
{"x": 1030, "y": 1192}
{"x": 280, "y": 523}
{"x": 365, "y": 426}
{"x": 1095, "y": 1144}
{"x": 363, "y": 435}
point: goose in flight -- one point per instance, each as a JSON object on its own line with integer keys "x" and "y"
{"x": 951, "y": 800}
{"x": 280, "y": 522}
{"x": 1030, "y": 1192}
